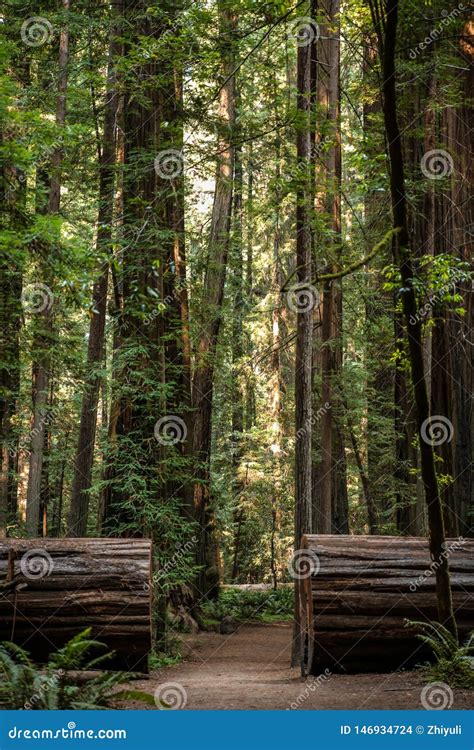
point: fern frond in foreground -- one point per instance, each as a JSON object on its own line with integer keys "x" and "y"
{"x": 57, "y": 684}
{"x": 454, "y": 663}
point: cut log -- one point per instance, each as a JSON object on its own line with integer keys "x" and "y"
{"x": 52, "y": 589}
{"x": 362, "y": 589}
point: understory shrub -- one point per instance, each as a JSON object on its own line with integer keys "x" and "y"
{"x": 248, "y": 605}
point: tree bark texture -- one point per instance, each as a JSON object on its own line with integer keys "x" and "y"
{"x": 362, "y": 590}
{"x": 50, "y": 590}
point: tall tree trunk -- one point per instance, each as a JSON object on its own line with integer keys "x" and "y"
{"x": 277, "y": 383}
{"x": 10, "y": 326}
{"x": 305, "y": 302}
{"x": 210, "y": 317}
{"x": 237, "y": 287}
{"x": 339, "y": 499}
{"x": 451, "y": 354}
{"x": 462, "y": 326}
{"x": 43, "y": 336}
{"x": 380, "y": 388}
{"x": 250, "y": 229}
{"x": 174, "y": 322}
{"x": 330, "y": 481}
{"x": 387, "y": 35}
{"x": 410, "y": 515}
{"x": 78, "y": 512}
{"x": 134, "y": 484}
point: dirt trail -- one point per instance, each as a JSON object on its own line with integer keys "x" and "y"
{"x": 249, "y": 670}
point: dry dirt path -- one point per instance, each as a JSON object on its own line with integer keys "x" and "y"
{"x": 249, "y": 670}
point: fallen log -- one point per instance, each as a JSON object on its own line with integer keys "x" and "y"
{"x": 356, "y": 593}
{"x": 52, "y": 589}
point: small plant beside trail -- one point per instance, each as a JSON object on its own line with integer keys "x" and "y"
{"x": 454, "y": 663}
{"x": 59, "y": 684}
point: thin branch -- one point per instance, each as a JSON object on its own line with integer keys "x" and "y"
{"x": 349, "y": 269}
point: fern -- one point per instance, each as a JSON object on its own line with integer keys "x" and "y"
{"x": 73, "y": 654}
{"x": 454, "y": 663}
{"x": 19, "y": 678}
{"x": 56, "y": 686}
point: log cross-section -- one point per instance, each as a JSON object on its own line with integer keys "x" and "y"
{"x": 52, "y": 589}
{"x": 360, "y": 593}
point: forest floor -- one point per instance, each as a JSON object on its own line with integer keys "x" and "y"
{"x": 249, "y": 669}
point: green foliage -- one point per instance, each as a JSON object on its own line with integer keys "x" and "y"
{"x": 435, "y": 283}
{"x": 254, "y": 606}
{"x": 162, "y": 660}
{"x": 26, "y": 686}
{"x": 454, "y": 663}
{"x": 135, "y": 695}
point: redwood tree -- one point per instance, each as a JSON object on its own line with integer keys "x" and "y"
{"x": 209, "y": 317}
{"x": 386, "y": 23}
{"x": 43, "y": 337}
{"x": 305, "y": 303}
{"x": 78, "y": 511}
